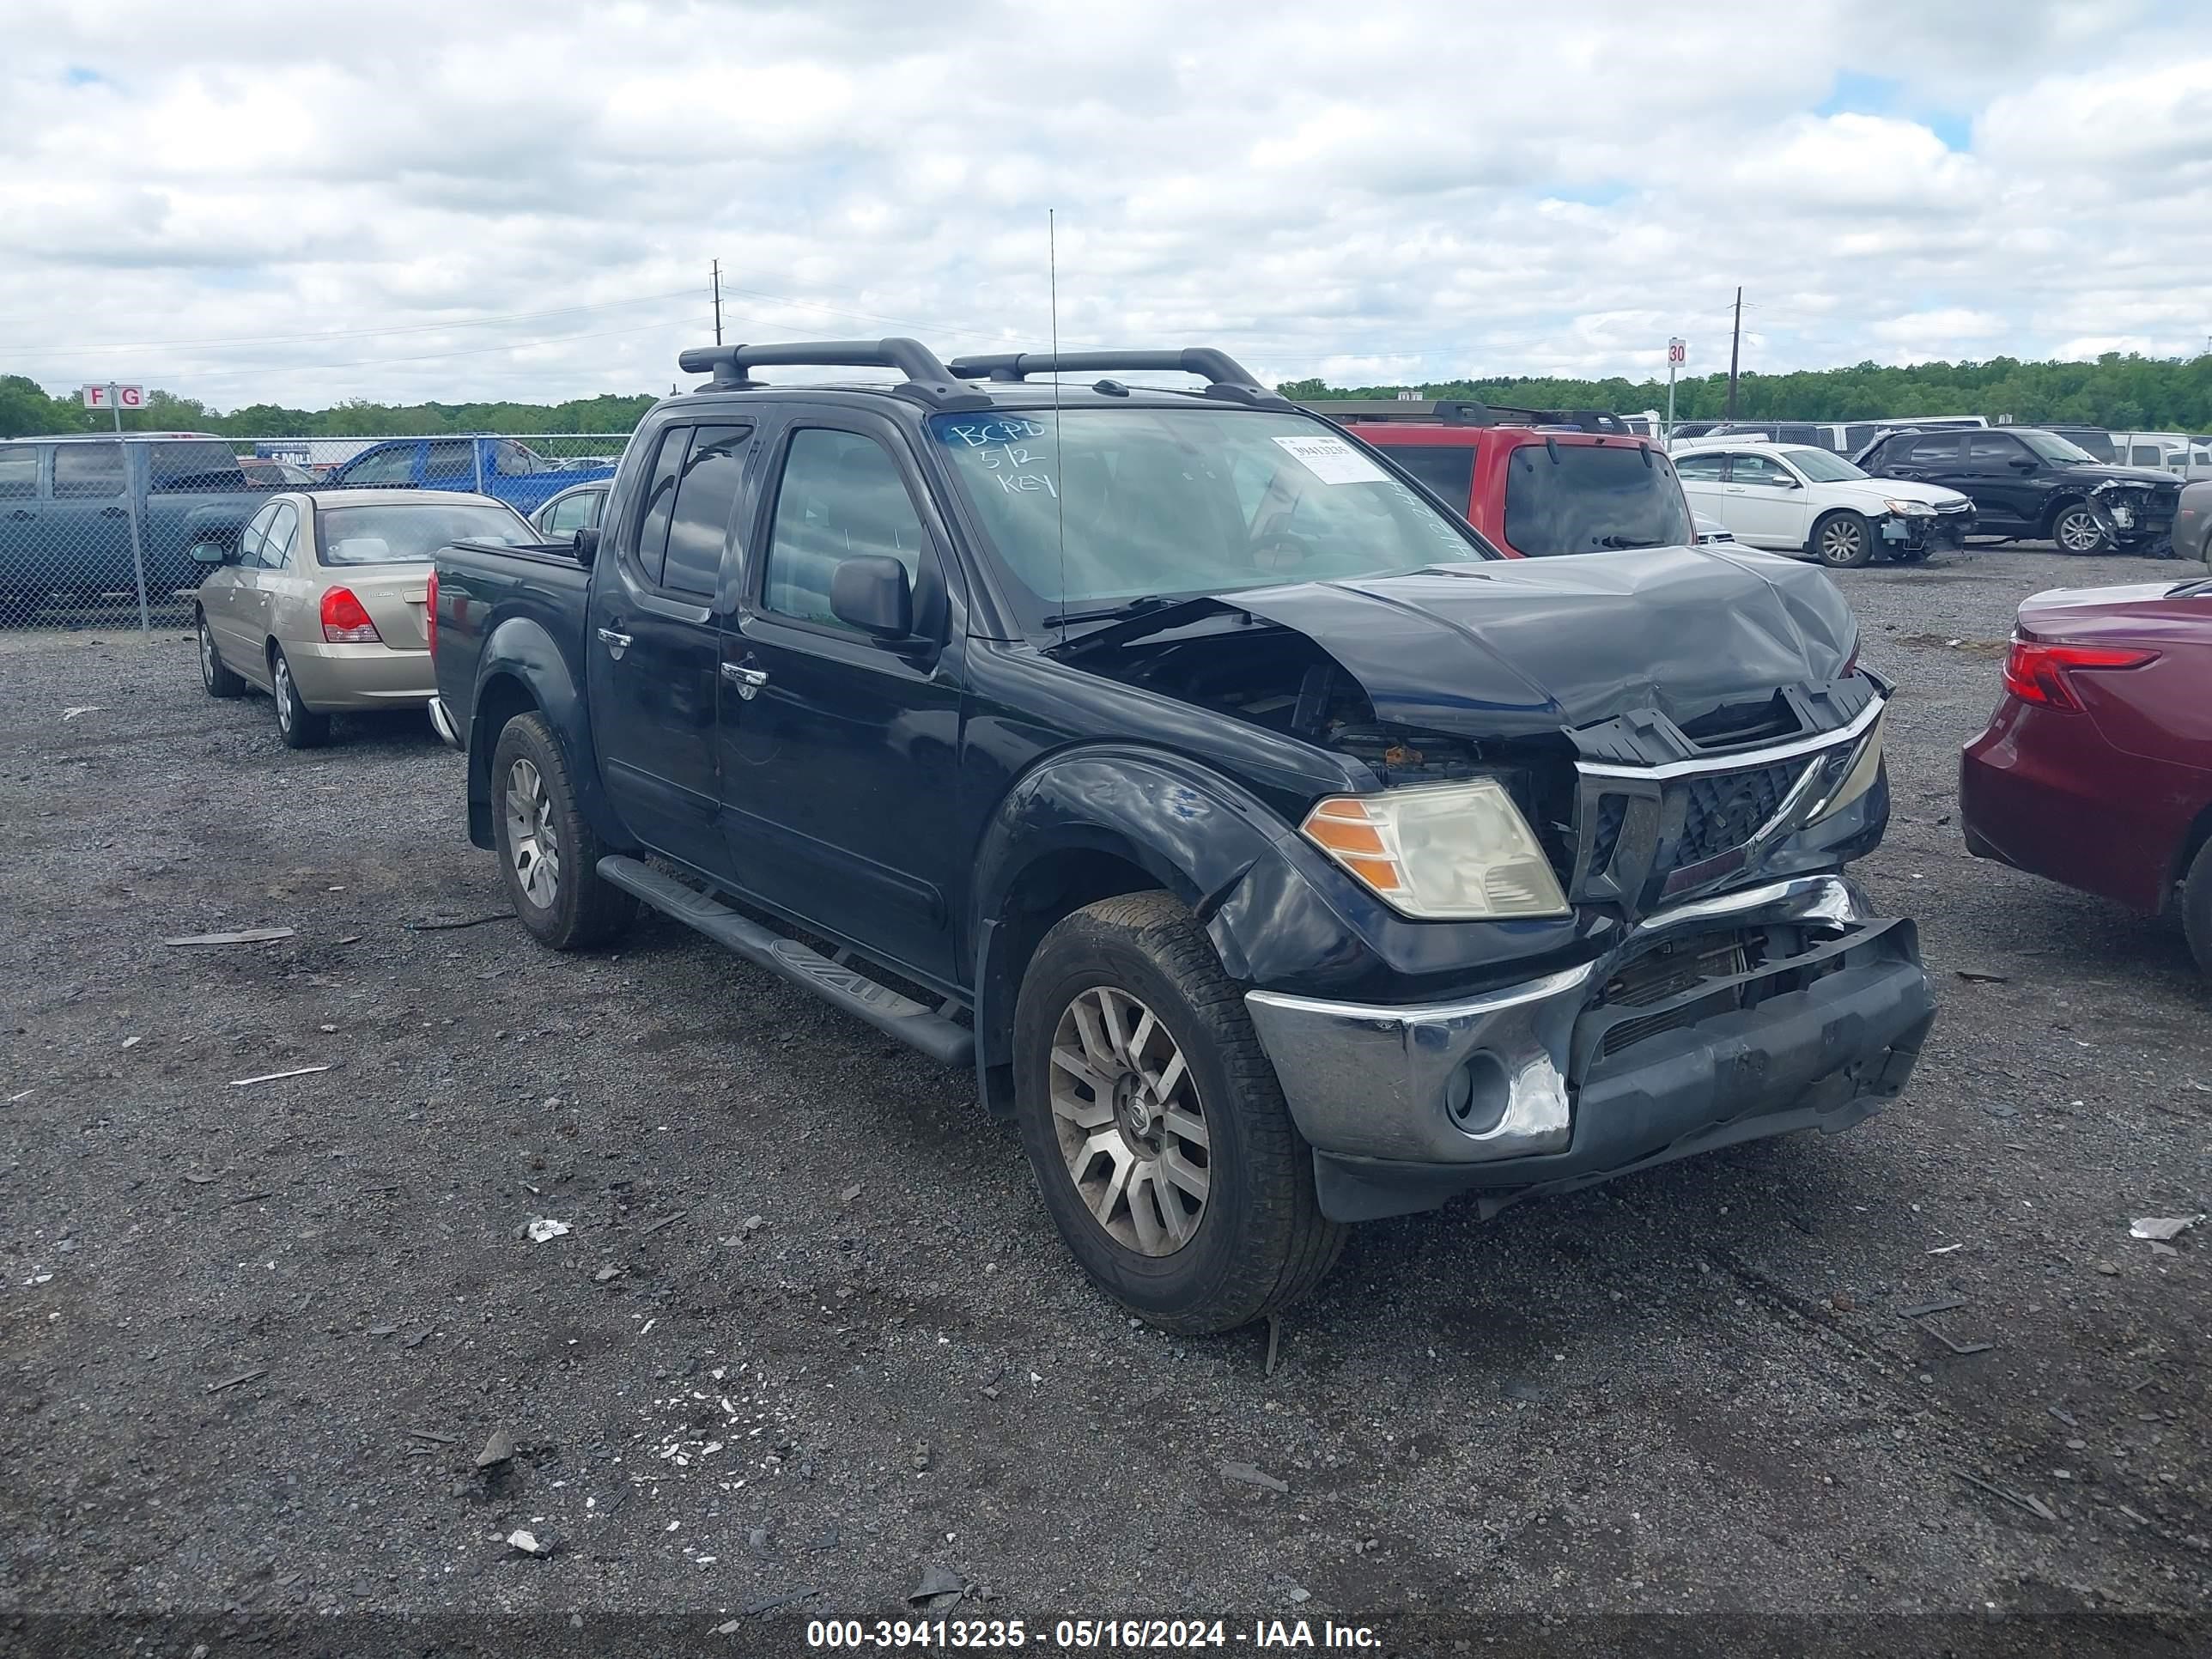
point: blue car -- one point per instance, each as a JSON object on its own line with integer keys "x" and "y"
{"x": 499, "y": 467}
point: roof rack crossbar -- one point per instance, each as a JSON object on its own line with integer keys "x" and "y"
{"x": 927, "y": 379}
{"x": 1224, "y": 376}
{"x": 1467, "y": 412}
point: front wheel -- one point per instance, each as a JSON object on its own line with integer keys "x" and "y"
{"x": 298, "y": 724}
{"x": 548, "y": 855}
{"x": 2076, "y": 531}
{"x": 219, "y": 680}
{"x": 1844, "y": 541}
{"x": 1155, "y": 1125}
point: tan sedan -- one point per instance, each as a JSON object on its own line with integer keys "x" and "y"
{"x": 322, "y": 602}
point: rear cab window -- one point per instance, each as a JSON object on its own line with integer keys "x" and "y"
{"x": 200, "y": 465}
{"x": 1592, "y": 498}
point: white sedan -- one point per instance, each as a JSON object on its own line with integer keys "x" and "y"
{"x": 1793, "y": 498}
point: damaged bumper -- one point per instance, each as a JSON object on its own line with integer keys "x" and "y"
{"x": 1757, "y": 1013}
{"x": 2134, "y": 514}
{"x": 1944, "y": 529}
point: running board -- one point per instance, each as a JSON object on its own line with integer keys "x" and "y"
{"x": 902, "y": 1017}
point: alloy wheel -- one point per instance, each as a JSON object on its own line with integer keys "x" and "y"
{"x": 208, "y": 659}
{"x": 1129, "y": 1120}
{"x": 532, "y": 846}
{"x": 2079, "y": 531}
{"x": 283, "y": 679}
{"x": 1839, "y": 542}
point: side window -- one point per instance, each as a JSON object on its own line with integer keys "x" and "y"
{"x": 1927, "y": 449}
{"x": 394, "y": 465}
{"x": 1699, "y": 468}
{"x": 571, "y": 513}
{"x": 1758, "y": 469}
{"x": 713, "y": 467}
{"x": 512, "y": 460}
{"x": 175, "y": 467}
{"x": 256, "y": 531}
{"x": 2139, "y": 455}
{"x": 1446, "y": 469}
{"x": 1998, "y": 446}
{"x": 18, "y": 471}
{"x": 660, "y": 503}
{"x": 87, "y": 471}
{"x": 453, "y": 462}
{"x": 1857, "y": 435}
{"x": 281, "y": 532}
{"x": 840, "y": 496}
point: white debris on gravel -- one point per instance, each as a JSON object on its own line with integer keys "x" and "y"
{"x": 544, "y": 1228}
{"x": 2161, "y": 1227}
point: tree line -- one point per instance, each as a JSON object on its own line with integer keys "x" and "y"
{"x": 2124, "y": 392}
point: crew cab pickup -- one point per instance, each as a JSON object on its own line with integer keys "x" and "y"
{"x": 1278, "y": 856}
{"x": 501, "y": 468}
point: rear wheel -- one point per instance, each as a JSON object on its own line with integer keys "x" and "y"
{"x": 2196, "y": 909}
{"x": 1843, "y": 541}
{"x": 219, "y": 680}
{"x": 298, "y": 724}
{"x": 548, "y": 856}
{"x": 2076, "y": 531}
{"x": 1155, "y": 1124}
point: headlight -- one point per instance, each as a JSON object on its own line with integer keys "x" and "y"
{"x": 1866, "y": 766}
{"x": 1910, "y": 509}
{"x": 1451, "y": 851}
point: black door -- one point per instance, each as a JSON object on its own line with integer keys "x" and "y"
{"x": 2006, "y": 478}
{"x": 1929, "y": 456}
{"x": 653, "y": 643}
{"x": 838, "y": 749}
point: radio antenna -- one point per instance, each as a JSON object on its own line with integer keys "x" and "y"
{"x": 1058, "y": 443}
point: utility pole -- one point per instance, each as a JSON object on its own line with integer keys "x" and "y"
{"x": 718, "y": 301}
{"x": 1735, "y": 339}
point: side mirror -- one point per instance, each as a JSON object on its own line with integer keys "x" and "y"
{"x": 873, "y": 593}
{"x": 587, "y": 546}
{"x": 209, "y": 553}
{"x": 2022, "y": 463}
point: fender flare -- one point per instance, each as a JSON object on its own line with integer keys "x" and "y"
{"x": 521, "y": 650}
{"x": 1188, "y": 829}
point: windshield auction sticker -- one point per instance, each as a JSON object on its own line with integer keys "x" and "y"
{"x": 1333, "y": 461}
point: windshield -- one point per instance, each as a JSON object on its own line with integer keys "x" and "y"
{"x": 410, "y": 532}
{"x": 1821, "y": 467}
{"x": 1593, "y": 498}
{"x": 1090, "y": 507}
{"x": 2052, "y": 448}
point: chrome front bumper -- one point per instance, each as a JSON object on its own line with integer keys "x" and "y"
{"x": 1486, "y": 1078}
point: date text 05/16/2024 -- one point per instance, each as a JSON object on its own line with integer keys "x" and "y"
{"x": 1089, "y": 1635}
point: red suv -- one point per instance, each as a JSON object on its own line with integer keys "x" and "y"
{"x": 1536, "y": 481}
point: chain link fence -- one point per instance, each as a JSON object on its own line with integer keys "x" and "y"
{"x": 98, "y": 530}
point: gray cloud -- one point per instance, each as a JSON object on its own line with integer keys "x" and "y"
{"x": 1399, "y": 190}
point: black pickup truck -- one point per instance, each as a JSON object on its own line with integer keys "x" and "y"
{"x": 1278, "y": 856}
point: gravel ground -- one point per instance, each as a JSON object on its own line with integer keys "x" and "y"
{"x": 809, "y": 1330}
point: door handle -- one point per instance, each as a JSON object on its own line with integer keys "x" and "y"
{"x": 619, "y": 640}
{"x": 748, "y": 681}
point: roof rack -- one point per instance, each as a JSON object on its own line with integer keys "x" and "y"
{"x": 1225, "y": 377}
{"x": 1467, "y": 411}
{"x": 927, "y": 380}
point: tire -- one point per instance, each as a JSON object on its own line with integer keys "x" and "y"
{"x": 1251, "y": 1239}
{"x": 548, "y": 856}
{"x": 2080, "y": 524}
{"x": 1843, "y": 540}
{"x": 219, "y": 680}
{"x": 2196, "y": 909}
{"x": 300, "y": 726}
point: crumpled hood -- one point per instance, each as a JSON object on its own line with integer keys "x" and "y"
{"x": 1516, "y": 646}
{"x": 1878, "y": 491}
{"x": 2149, "y": 476}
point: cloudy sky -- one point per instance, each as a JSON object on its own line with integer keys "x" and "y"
{"x": 250, "y": 203}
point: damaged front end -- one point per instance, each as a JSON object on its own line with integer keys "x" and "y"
{"x": 1915, "y": 533}
{"x": 2135, "y": 514}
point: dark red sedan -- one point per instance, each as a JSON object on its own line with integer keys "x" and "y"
{"x": 2096, "y": 769}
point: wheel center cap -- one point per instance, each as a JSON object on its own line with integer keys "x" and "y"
{"x": 1136, "y": 1113}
